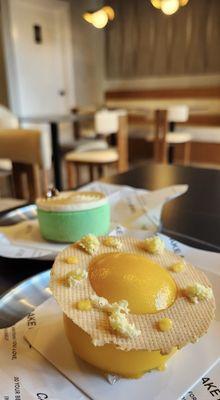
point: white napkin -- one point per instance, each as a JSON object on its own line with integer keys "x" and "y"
{"x": 133, "y": 208}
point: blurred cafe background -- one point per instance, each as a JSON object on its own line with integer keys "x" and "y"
{"x": 90, "y": 87}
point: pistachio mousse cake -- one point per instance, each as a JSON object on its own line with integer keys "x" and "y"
{"x": 129, "y": 305}
{"x": 67, "y": 216}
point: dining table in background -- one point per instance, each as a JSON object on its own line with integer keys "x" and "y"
{"x": 193, "y": 218}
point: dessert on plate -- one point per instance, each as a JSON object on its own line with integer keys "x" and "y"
{"x": 67, "y": 216}
{"x": 129, "y": 305}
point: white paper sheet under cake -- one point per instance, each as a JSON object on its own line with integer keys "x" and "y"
{"x": 25, "y": 373}
{"x": 185, "y": 368}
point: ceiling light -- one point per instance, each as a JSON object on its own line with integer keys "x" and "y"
{"x": 156, "y": 3}
{"x": 183, "y": 2}
{"x": 88, "y": 17}
{"x": 110, "y": 12}
{"x": 99, "y": 18}
{"x": 169, "y": 7}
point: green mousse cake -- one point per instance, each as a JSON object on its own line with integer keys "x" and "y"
{"x": 70, "y": 215}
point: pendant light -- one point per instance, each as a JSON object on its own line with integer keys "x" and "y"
{"x": 169, "y": 7}
{"x": 99, "y": 18}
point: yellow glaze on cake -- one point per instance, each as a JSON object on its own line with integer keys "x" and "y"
{"x": 146, "y": 286}
{"x": 84, "y": 305}
{"x": 130, "y": 364}
{"x": 165, "y": 324}
{"x": 71, "y": 260}
{"x": 177, "y": 267}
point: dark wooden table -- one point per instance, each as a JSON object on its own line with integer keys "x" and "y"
{"x": 193, "y": 218}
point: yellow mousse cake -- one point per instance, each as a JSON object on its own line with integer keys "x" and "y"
{"x": 127, "y": 306}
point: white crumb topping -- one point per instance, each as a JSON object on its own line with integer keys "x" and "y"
{"x": 100, "y": 302}
{"x": 112, "y": 241}
{"x": 90, "y": 243}
{"x": 104, "y": 305}
{"x": 120, "y": 323}
{"x": 121, "y": 306}
{"x": 198, "y": 292}
{"x": 154, "y": 245}
{"x": 118, "y": 315}
{"x": 75, "y": 277}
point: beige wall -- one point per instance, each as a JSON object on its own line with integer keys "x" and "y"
{"x": 88, "y": 63}
{"x": 146, "y": 48}
{"x": 88, "y": 47}
{"x": 3, "y": 84}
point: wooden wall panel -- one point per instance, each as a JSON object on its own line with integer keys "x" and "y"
{"x": 208, "y": 153}
{"x": 145, "y": 45}
{"x": 143, "y": 42}
{"x": 167, "y": 93}
{"x": 129, "y": 40}
{"x": 213, "y": 37}
{"x": 3, "y": 80}
{"x": 112, "y": 37}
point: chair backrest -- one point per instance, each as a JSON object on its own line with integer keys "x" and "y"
{"x": 175, "y": 113}
{"x": 7, "y": 119}
{"x": 178, "y": 113}
{"x": 107, "y": 121}
{"x": 160, "y": 143}
{"x": 26, "y": 146}
{"x": 30, "y": 152}
{"x": 122, "y": 143}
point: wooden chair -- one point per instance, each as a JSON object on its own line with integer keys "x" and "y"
{"x": 7, "y": 119}
{"x": 30, "y": 154}
{"x": 106, "y": 123}
{"x": 165, "y": 138}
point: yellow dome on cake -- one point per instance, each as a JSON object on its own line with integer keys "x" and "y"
{"x": 146, "y": 286}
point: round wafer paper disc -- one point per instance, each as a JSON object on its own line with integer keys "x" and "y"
{"x": 190, "y": 321}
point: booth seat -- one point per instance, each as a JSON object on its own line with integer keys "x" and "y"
{"x": 203, "y": 123}
{"x": 202, "y": 134}
{"x": 205, "y": 145}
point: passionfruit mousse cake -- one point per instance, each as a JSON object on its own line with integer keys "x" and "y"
{"x": 128, "y": 305}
